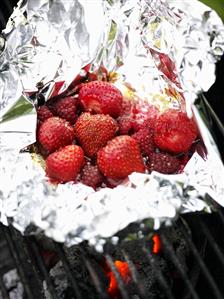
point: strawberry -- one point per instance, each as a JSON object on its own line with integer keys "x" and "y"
{"x": 64, "y": 164}
{"x": 101, "y": 97}
{"x": 164, "y": 163}
{"x": 144, "y": 137}
{"x": 93, "y": 131}
{"x": 120, "y": 157}
{"x": 175, "y": 132}
{"x": 64, "y": 108}
{"x": 91, "y": 176}
{"x": 43, "y": 113}
{"x": 54, "y": 133}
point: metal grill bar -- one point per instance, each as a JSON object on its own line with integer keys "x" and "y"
{"x": 18, "y": 262}
{"x": 159, "y": 276}
{"x": 176, "y": 262}
{"x": 43, "y": 269}
{"x": 221, "y": 216}
{"x": 102, "y": 293}
{"x": 69, "y": 271}
{"x": 27, "y": 258}
{"x": 120, "y": 283}
{"x": 135, "y": 276}
{"x": 202, "y": 265}
{"x": 212, "y": 241}
{"x": 5, "y": 294}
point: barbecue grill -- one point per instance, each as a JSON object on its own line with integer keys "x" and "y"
{"x": 183, "y": 261}
{"x": 197, "y": 275}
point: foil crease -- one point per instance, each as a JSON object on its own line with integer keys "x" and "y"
{"x": 152, "y": 46}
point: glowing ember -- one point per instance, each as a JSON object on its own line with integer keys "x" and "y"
{"x": 125, "y": 274}
{"x": 157, "y": 244}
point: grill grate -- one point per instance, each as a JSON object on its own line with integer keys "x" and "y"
{"x": 33, "y": 270}
{"x": 204, "y": 282}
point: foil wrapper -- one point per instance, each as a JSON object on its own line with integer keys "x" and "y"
{"x": 163, "y": 51}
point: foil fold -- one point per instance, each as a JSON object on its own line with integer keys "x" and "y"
{"x": 160, "y": 49}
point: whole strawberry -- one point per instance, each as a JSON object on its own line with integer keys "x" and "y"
{"x": 91, "y": 176}
{"x": 164, "y": 163}
{"x": 93, "y": 131}
{"x": 65, "y": 164}
{"x": 54, "y": 133}
{"x": 101, "y": 97}
{"x": 43, "y": 113}
{"x": 144, "y": 137}
{"x": 120, "y": 157}
{"x": 64, "y": 107}
{"x": 174, "y": 132}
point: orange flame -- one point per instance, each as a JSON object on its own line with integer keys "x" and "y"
{"x": 124, "y": 272}
{"x": 157, "y": 244}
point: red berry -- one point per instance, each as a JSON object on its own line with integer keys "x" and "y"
{"x": 93, "y": 131}
{"x": 101, "y": 97}
{"x": 144, "y": 137}
{"x": 43, "y": 113}
{"x": 91, "y": 176}
{"x": 65, "y": 164}
{"x": 54, "y": 133}
{"x": 64, "y": 108}
{"x": 125, "y": 124}
{"x": 120, "y": 157}
{"x": 164, "y": 163}
{"x": 175, "y": 132}
{"x": 144, "y": 114}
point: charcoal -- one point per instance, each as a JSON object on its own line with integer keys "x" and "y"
{"x": 76, "y": 256}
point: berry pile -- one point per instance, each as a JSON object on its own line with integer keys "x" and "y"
{"x": 99, "y": 137}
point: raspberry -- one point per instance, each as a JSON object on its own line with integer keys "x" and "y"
{"x": 43, "y": 113}
{"x": 91, "y": 176}
{"x": 163, "y": 162}
{"x": 64, "y": 108}
{"x": 144, "y": 114}
{"x": 144, "y": 137}
{"x": 125, "y": 124}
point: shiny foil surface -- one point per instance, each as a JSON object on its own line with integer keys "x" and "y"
{"x": 149, "y": 47}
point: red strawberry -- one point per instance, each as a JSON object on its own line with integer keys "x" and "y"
{"x": 93, "y": 131}
{"x": 175, "y": 132}
{"x": 43, "y": 113}
{"x": 91, "y": 176}
{"x": 65, "y": 164}
{"x": 164, "y": 163}
{"x": 101, "y": 97}
{"x": 54, "y": 133}
{"x": 64, "y": 108}
{"x": 144, "y": 137}
{"x": 120, "y": 157}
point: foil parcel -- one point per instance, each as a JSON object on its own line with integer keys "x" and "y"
{"x": 51, "y": 42}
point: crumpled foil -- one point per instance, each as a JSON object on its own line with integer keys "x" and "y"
{"x": 154, "y": 47}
